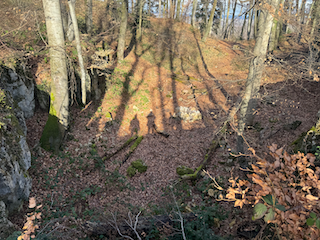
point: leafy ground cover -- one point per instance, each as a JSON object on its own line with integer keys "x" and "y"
{"x": 169, "y": 68}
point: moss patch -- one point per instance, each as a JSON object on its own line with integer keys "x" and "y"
{"x": 131, "y": 171}
{"x": 51, "y": 136}
{"x": 183, "y": 170}
{"x": 139, "y": 165}
{"x": 136, "y": 166}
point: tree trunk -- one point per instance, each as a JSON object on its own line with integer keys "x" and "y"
{"x": 139, "y": 32}
{"x": 193, "y": 17}
{"x": 243, "y": 26}
{"x": 159, "y": 9}
{"x": 178, "y": 10}
{"x": 249, "y": 100}
{"x": 70, "y": 32}
{"x": 64, "y": 17}
{"x": 256, "y": 22}
{"x": 289, "y": 15}
{"x": 309, "y": 14}
{"x": 249, "y": 27}
{"x": 302, "y": 16}
{"x": 297, "y": 10}
{"x": 78, "y": 45}
{"x": 209, "y": 25}
{"x": 315, "y": 19}
{"x": 227, "y": 20}
{"x": 233, "y": 14}
{"x": 171, "y": 9}
{"x": 89, "y": 17}
{"x": 273, "y": 35}
{"x": 57, "y": 124}
{"x": 123, "y": 29}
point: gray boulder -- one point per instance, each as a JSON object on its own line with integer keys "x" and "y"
{"x": 21, "y": 86}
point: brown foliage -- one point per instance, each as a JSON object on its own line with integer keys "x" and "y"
{"x": 292, "y": 181}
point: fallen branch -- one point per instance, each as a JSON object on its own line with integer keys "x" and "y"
{"x": 214, "y": 143}
{"x": 145, "y": 224}
{"x": 127, "y": 143}
{"x": 133, "y": 148}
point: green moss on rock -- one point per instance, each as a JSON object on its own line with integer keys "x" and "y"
{"x": 131, "y": 171}
{"x": 139, "y": 165}
{"x": 183, "y": 170}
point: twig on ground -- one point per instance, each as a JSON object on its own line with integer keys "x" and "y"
{"x": 132, "y": 225}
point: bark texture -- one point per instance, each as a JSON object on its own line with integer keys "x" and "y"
{"x": 78, "y": 45}
{"x": 249, "y": 100}
{"x": 209, "y": 25}
{"x": 123, "y": 29}
{"x": 57, "y": 124}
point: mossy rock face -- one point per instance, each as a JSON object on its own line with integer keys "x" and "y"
{"x": 131, "y": 171}
{"x": 139, "y": 165}
{"x": 183, "y": 170}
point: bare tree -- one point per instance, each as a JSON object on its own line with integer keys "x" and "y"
{"x": 256, "y": 68}
{"x": 57, "y": 124}
{"x": 89, "y": 17}
{"x": 193, "y": 17}
{"x": 123, "y": 29}
{"x": 209, "y": 24}
{"x": 78, "y": 44}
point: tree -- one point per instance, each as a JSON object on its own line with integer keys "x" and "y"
{"x": 57, "y": 123}
{"x": 193, "y": 17}
{"x": 249, "y": 100}
{"x": 139, "y": 32}
{"x": 89, "y": 17}
{"x": 209, "y": 24}
{"x": 178, "y": 10}
{"x": 77, "y": 37}
{"x": 123, "y": 29}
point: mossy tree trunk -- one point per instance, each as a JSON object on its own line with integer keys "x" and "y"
{"x": 57, "y": 124}
{"x": 249, "y": 101}
{"x": 123, "y": 29}
{"x": 78, "y": 44}
{"x": 89, "y": 17}
{"x": 209, "y": 25}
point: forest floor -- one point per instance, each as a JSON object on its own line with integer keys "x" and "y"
{"x": 169, "y": 68}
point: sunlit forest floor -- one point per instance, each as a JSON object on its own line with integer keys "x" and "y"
{"x": 169, "y": 68}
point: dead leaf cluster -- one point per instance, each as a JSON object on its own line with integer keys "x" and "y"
{"x": 292, "y": 182}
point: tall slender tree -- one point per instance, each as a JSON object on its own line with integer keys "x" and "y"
{"x": 209, "y": 25}
{"x": 249, "y": 101}
{"x": 89, "y": 17}
{"x": 78, "y": 46}
{"x": 123, "y": 29}
{"x": 226, "y": 29}
{"x": 178, "y": 10}
{"x": 193, "y": 16}
{"x": 57, "y": 123}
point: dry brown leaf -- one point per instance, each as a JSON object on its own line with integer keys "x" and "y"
{"x": 32, "y": 202}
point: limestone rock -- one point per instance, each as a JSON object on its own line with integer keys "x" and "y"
{"x": 21, "y": 88}
{"x": 15, "y": 156}
{"x": 188, "y": 114}
{"x": 6, "y": 227}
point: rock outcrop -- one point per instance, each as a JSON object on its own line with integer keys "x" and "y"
{"x": 21, "y": 87}
{"x": 15, "y": 160}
